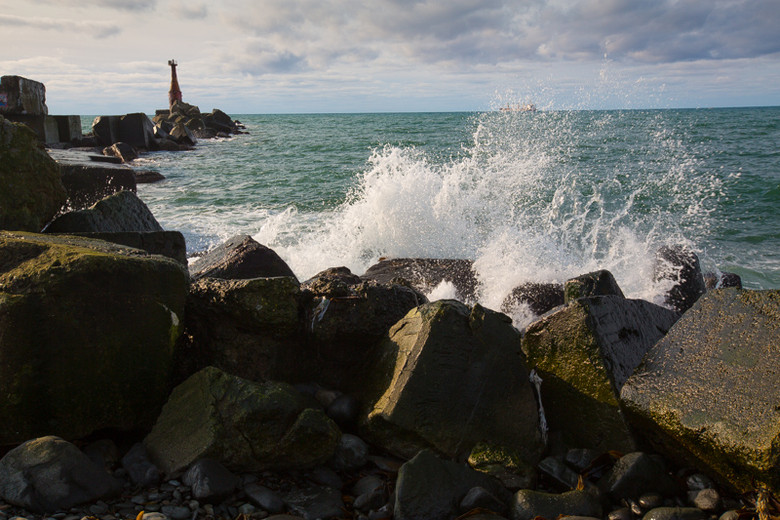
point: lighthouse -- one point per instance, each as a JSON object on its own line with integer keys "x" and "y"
{"x": 174, "y": 94}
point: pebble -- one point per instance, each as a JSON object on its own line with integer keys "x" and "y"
{"x": 623, "y": 513}
{"x": 176, "y": 512}
{"x": 649, "y": 501}
{"x": 705, "y": 499}
{"x": 698, "y": 481}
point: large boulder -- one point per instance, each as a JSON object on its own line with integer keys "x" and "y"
{"x": 87, "y": 335}
{"x": 429, "y": 488}
{"x": 165, "y": 243}
{"x": 246, "y": 426}
{"x": 87, "y": 181}
{"x": 31, "y": 191}
{"x": 584, "y": 352}
{"x": 451, "y": 377}
{"x": 136, "y": 130}
{"x": 249, "y": 328}
{"x": 120, "y": 212}
{"x": 708, "y": 391}
{"x": 346, "y": 321}
{"x": 240, "y": 257}
{"x": 49, "y": 474}
{"x": 20, "y": 95}
{"x": 425, "y": 274}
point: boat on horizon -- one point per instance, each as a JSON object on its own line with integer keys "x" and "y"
{"x": 519, "y": 107}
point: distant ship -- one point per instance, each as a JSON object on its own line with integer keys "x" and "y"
{"x": 517, "y": 107}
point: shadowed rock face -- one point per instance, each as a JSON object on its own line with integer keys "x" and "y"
{"x": 708, "y": 392}
{"x": 31, "y": 191}
{"x": 450, "y": 377}
{"x": 87, "y": 335}
{"x": 680, "y": 265}
{"x": 244, "y": 425}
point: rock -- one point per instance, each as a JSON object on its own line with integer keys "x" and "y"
{"x": 244, "y": 425}
{"x": 86, "y": 181}
{"x": 539, "y": 297}
{"x": 87, "y": 334}
{"x": 350, "y": 454}
{"x": 249, "y": 328}
{"x": 722, "y": 280}
{"x": 210, "y": 481}
{"x": 315, "y": 502}
{"x": 678, "y": 266}
{"x": 344, "y": 410}
{"x": 147, "y": 176}
{"x": 705, "y": 499}
{"x": 241, "y": 257}
{"x": 334, "y": 281}
{"x": 264, "y": 498}
{"x": 136, "y": 130}
{"x": 103, "y": 452}
{"x": 31, "y": 191}
{"x": 636, "y": 473}
{"x": 140, "y": 469}
{"x": 675, "y": 513}
{"x": 707, "y": 392}
{"x": 424, "y": 274}
{"x": 106, "y": 130}
{"x": 554, "y": 470}
{"x": 598, "y": 283}
{"x": 176, "y": 512}
{"x": 69, "y": 129}
{"x": 480, "y": 498}
{"x": 429, "y": 488}
{"x": 183, "y": 135}
{"x": 120, "y": 212}
{"x": 346, "y": 323}
{"x": 584, "y": 352}
{"x": 48, "y": 474}
{"x": 503, "y": 464}
{"x": 450, "y": 377}
{"x": 22, "y": 96}
{"x": 165, "y": 243}
{"x": 124, "y": 151}
{"x": 528, "y": 504}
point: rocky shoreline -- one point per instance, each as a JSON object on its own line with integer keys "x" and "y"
{"x": 137, "y": 386}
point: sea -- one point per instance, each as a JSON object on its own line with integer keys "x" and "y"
{"x": 528, "y": 196}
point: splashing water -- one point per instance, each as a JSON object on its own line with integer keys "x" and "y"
{"x": 533, "y": 197}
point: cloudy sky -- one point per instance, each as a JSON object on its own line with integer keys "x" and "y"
{"x": 271, "y": 56}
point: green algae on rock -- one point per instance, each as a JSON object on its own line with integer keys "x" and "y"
{"x": 31, "y": 191}
{"x": 708, "y": 392}
{"x": 87, "y": 335}
{"x": 247, "y": 426}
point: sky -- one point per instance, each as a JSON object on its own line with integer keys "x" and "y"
{"x": 304, "y": 56}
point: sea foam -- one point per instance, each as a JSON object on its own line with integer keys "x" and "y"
{"x": 534, "y": 197}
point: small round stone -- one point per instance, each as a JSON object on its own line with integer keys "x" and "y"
{"x": 623, "y": 513}
{"x": 651, "y": 500}
{"x": 707, "y": 500}
{"x": 698, "y": 481}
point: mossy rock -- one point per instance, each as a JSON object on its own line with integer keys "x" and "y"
{"x": 250, "y": 328}
{"x": 31, "y": 190}
{"x": 87, "y": 335}
{"x": 584, "y": 352}
{"x": 245, "y": 425}
{"x": 450, "y": 377}
{"x": 707, "y": 393}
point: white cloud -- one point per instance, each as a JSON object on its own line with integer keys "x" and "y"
{"x": 98, "y": 29}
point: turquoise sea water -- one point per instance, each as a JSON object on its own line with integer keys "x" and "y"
{"x": 529, "y": 196}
